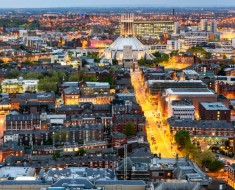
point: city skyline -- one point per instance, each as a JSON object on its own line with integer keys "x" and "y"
{"x": 121, "y": 3}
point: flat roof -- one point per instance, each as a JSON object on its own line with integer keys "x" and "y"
{"x": 214, "y": 106}
{"x": 174, "y": 81}
{"x": 192, "y": 91}
{"x": 190, "y": 72}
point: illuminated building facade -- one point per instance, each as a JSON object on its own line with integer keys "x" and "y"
{"x": 153, "y": 28}
{"x": 127, "y": 48}
{"x": 96, "y": 43}
{"x": 12, "y": 86}
{"x": 212, "y": 131}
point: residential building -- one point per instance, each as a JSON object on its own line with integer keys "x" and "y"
{"x": 16, "y": 121}
{"x": 209, "y": 130}
{"x": 231, "y": 175}
{"x": 91, "y": 88}
{"x": 71, "y": 96}
{"x": 214, "y": 111}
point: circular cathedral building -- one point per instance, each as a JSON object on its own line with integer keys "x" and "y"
{"x": 127, "y": 48}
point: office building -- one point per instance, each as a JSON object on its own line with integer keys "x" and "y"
{"x": 182, "y": 109}
{"x": 153, "y": 28}
{"x": 214, "y": 111}
{"x": 204, "y": 25}
{"x": 196, "y": 95}
{"x": 213, "y": 26}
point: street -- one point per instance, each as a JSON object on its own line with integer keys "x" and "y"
{"x": 158, "y": 136}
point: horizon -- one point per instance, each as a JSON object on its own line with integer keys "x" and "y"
{"x": 10, "y": 4}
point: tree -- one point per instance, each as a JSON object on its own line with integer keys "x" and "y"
{"x": 28, "y": 62}
{"x": 80, "y": 152}
{"x": 129, "y": 130}
{"x": 13, "y": 74}
{"x": 56, "y": 154}
{"x": 161, "y": 57}
{"x": 94, "y": 55}
{"x": 115, "y": 62}
{"x": 206, "y": 158}
{"x": 60, "y": 136}
{"x": 110, "y": 80}
{"x": 74, "y": 77}
{"x": 182, "y": 139}
{"x": 47, "y": 85}
{"x": 215, "y": 165}
{"x": 49, "y": 141}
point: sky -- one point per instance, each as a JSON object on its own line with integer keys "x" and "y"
{"x": 114, "y": 3}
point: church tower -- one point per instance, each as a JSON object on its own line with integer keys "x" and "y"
{"x": 127, "y": 26}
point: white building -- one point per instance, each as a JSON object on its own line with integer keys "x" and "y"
{"x": 127, "y": 49}
{"x": 19, "y": 85}
{"x": 213, "y": 26}
{"x": 174, "y": 44}
{"x": 182, "y": 109}
{"x": 14, "y": 172}
{"x": 59, "y": 56}
{"x": 233, "y": 42}
{"x": 33, "y": 41}
{"x": 204, "y": 24}
{"x": 190, "y": 41}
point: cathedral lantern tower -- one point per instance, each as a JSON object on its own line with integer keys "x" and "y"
{"x": 127, "y": 27}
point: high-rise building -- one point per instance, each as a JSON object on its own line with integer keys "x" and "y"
{"x": 176, "y": 28}
{"x": 204, "y": 24}
{"x": 153, "y": 28}
{"x": 213, "y": 26}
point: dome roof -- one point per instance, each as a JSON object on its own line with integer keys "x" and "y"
{"x": 120, "y": 42}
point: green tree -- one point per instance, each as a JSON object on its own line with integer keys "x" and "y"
{"x": 33, "y": 76}
{"x": 94, "y": 55}
{"x": 80, "y": 152}
{"x": 161, "y": 57}
{"x": 74, "y": 77}
{"x": 28, "y": 62}
{"x": 110, "y": 80}
{"x": 60, "y": 136}
{"x": 115, "y": 62}
{"x": 13, "y": 74}
{"x": 56, "y": 154}
{"x": 182, "y": 139}
{"x": 129, "y": 130}
{"x": 49, "y": 141}
{"x": 46, "y": 84}
{"x": 215, "y": 165}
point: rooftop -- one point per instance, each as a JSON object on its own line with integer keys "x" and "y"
{"x": 189, "y": 91}
{"x": 214, "y": 106}
{"x": 8, "y": 171}
{"x": 199, "y": 123}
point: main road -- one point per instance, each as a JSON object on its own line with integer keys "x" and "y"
{"x": 157, "y": 134}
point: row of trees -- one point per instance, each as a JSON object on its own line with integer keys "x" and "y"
{"x": 204, "y": 159}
